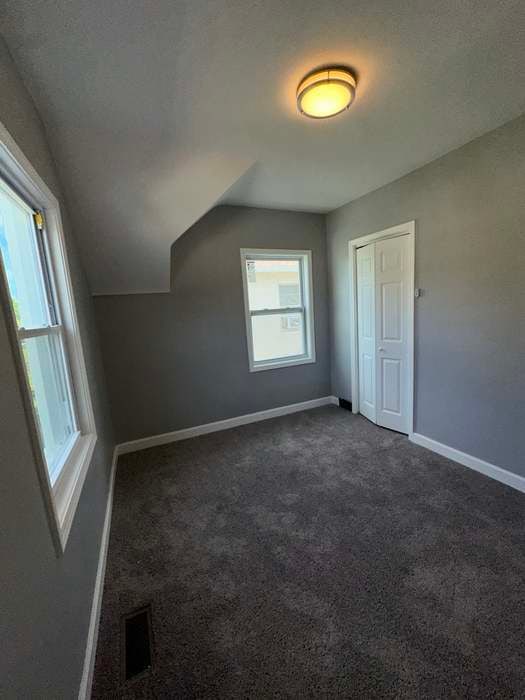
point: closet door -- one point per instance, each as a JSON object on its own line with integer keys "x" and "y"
{"x": 391, "y": 332}
{"x": 366, "y": 330}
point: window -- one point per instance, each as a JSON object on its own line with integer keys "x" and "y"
{"x": 279, "y": 308}
{"x": 35, "y": 279}
{"x": 40, "y": 330}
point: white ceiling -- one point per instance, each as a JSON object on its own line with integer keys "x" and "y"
{"x": 158, "y": 110}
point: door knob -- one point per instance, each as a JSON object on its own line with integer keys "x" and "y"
{"x": 381, "y": 349}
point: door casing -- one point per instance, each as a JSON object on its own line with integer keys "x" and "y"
{"x": 407, "y": 229}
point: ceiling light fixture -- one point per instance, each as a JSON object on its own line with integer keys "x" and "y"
{"x": 326, "y": 92}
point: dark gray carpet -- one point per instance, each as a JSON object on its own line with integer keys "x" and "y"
{"x": 315, "y": 555}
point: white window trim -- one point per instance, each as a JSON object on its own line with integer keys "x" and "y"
{"x": 62, "y": 498}
{"x": 308, "y": 303}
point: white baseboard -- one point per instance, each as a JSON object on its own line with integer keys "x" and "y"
{"x": 174, "y": 436}
{"x": 91, "y": 644}
{"x": 497, "y": 473}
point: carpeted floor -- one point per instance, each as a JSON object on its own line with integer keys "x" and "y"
{"x": 315, "y": 555}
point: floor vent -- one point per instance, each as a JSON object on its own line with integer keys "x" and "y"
{"x": 137, "y": 656}
{"x": 343, "y": 403}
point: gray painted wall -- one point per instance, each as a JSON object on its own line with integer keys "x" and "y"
{"x": 180, "y": 359}
{"x": 45, "y": 600}
{"x": 469, "y": 208}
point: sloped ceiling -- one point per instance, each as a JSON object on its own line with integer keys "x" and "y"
{"x": 158, "y": 110}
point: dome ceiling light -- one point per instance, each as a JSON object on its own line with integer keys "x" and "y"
{"x": 326, "y": 92}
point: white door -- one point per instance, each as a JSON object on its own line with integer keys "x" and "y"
{"x": 366, "y": 331}
{"x": 389, "y": 336}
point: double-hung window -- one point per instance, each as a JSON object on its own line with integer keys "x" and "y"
{"x": 37, "y": 285}
{"x": 279, "y": 307}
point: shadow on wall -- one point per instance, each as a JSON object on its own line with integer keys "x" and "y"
{"x": 180, "y": 359}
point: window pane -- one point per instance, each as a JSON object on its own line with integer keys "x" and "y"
{"x": 273, "y": 284}
{"x": 277, "y": 335}
{"x": 289, "y": 294}
{"x": 21, "y": 261}
{"x": 45, "y": 368}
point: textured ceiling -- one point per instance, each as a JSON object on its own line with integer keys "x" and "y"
{"x": 158, "y": 110}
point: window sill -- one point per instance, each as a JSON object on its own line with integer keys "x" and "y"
{"x": 68, "y": 486}
{"x": 279, "y": 364}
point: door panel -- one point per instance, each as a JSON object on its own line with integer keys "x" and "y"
{"x": 390, "y": 259}
{"x": 391, "y": 315}
{"x": 392, "y": 311}
{"x": 391, "y": 382}
{"x": 366, "y": 330}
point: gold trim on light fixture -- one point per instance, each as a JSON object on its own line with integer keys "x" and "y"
{"x": 326, "y": 92}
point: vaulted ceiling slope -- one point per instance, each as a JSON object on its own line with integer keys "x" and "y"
{"x": 158, "y": 110}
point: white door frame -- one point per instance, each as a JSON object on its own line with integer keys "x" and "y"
{"x": 406, "y": 229}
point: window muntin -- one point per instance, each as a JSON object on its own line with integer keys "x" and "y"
{"x": 278, "y": 301}
{"x": 23, "y": 249}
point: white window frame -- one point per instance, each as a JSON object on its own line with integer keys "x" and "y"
{"x": 307, "y": 309}
{"x": 61, "y": 498}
